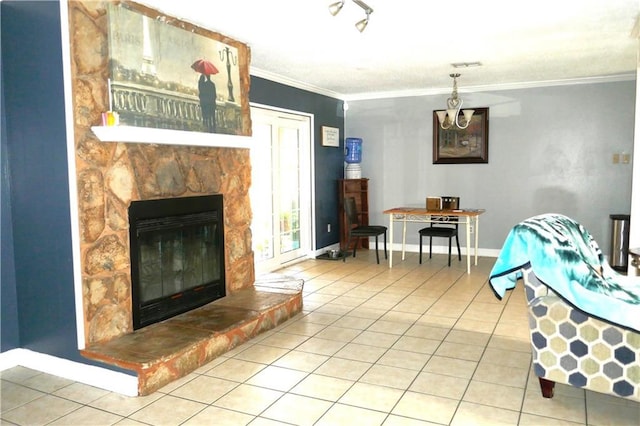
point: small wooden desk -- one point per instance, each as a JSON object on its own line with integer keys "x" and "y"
{"x": 467, "y": 217}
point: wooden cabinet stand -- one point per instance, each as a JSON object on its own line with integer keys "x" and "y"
{"x": 358, "y": 189}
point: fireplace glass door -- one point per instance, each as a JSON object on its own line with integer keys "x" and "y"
{"x": 177, "y": 256}
{"x": 176, "y": 260}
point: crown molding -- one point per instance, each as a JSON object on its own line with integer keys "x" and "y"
{"x": 492, "y": 87}
{"x": 277, "y": 78}
{"x": 440, "y": 90}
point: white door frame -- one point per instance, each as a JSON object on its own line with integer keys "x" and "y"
{"x": 308, "y": 198}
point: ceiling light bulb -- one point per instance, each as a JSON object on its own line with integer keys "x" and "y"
{"x": 361, "y": 25}
{"x": 334, "y": 8}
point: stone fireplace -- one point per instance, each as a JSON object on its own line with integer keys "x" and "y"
{"x": 110, "y": 178}
{"x": 113, "y": 178}
{"x": 113, "y": 175}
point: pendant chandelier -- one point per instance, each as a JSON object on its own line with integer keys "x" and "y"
{"x": 451, "y": 117}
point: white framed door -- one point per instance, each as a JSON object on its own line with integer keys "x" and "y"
{"x": 280, "y": 187}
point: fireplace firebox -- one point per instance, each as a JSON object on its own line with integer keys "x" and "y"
{"x": 177, "y": 256}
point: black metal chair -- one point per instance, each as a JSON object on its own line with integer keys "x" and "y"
{"x": 443, "y": 226}
{"x": 357, "y": 231}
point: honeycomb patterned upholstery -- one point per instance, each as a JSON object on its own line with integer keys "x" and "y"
{"x": 574, "y": 348}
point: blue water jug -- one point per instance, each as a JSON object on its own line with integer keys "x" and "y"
{"x": 353, "y": 150}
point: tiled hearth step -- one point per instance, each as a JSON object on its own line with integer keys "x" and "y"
{"x": 166, "y": 351}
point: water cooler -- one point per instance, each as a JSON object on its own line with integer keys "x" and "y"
{"x": 353, "y": 158}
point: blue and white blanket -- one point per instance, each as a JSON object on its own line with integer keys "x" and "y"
{"x": 565, "y": 257}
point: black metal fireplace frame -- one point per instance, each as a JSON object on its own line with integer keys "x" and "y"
{"x": 147, "y": 313}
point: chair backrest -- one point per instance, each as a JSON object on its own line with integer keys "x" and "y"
{"x": 351, "y": 211}
{"x": 448, "y": 203}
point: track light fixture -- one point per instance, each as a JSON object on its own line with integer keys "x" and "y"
{"x": 362, "y": 24}
{"x": 334, "y": 8}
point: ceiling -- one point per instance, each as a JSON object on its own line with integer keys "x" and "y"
{"x": 409, "y": 45}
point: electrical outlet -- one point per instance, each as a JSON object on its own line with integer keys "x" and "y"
{"x": 328, "y": 227}
{"x": 616, "y": 158}
{"x": 471, "y": 229}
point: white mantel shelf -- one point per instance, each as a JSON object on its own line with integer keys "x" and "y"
{"x": 169, "y": 137}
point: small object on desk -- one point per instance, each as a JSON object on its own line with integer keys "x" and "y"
{"x": 449, "y": 202}
{"x": 434, "y": 203}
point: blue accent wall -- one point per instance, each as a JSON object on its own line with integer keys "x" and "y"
{"x": 9, "y": 338}
{"x": 36, "y": 191}
{"x": 329, "y": 161}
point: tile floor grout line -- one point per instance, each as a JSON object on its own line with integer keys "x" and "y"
{"x": 406, "y": 390}
{"x": 399, "y": 286}
{"x": 372, "y": 364}
{"x": 333, "y": 403}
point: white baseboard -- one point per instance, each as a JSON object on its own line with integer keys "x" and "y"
{"x": 88, "y": 374}
{"x": 415, "y": 248}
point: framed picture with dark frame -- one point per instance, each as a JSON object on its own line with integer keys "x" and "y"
{"x": 462, "y": 146}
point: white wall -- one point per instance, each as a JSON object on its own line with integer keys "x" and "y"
{"x": 634, "y": 235}
{"x": 550, "y": 150}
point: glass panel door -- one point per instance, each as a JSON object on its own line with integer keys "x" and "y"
{"x": 289, "y": 191}
{"x": 281, "y": 188}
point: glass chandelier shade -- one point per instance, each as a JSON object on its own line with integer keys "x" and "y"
{"x": 451, "y": 116}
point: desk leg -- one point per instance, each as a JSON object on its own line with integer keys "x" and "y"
{"x": 469, "y": 245}
{"x": 404, "y": 235}
{"x": 477, "y": 232}
{"x": 390, "y": 241}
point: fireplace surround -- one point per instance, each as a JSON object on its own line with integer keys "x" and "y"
{"x": 131, "y": 165}
{"x": 113, "y": 173}
{"x": 177, "y": 256}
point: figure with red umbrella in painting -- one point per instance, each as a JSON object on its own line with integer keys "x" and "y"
{"x": 207, "y": 93}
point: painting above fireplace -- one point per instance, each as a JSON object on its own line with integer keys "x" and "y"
{"x": 169, "y": 74}
{"x": 177, "y": 256}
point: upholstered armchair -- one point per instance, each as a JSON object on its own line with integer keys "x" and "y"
{"x": 572, "y": 347}
{"x": 584, "y": 317}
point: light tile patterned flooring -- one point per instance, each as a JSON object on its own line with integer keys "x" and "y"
{"x": 413, "y": 345}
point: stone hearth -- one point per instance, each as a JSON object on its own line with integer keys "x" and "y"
{"x": 166, "y": 351}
